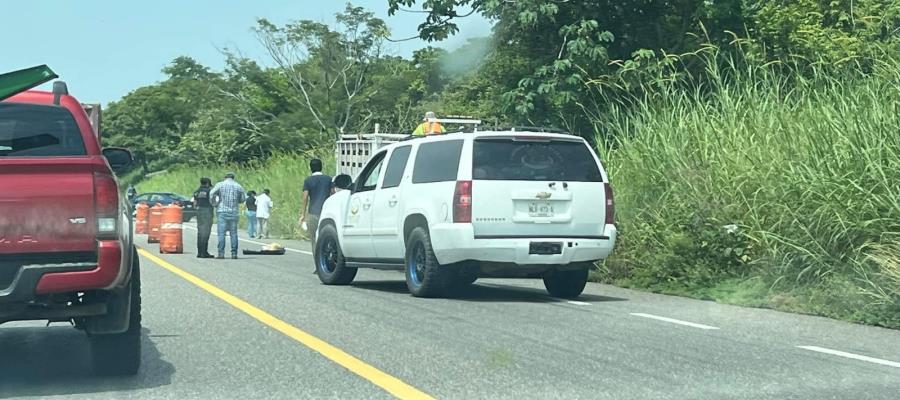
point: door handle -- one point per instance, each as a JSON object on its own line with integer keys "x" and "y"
{"x": 367, "y": 205}
{"x": 392, "y": 202}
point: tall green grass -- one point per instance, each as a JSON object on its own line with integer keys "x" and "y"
{"x": 283, "y": 174}
{"x": 764, "y": 188}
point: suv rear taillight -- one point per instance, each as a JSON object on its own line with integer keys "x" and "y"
{"x": 610, "y": 204}
{"x": 462, "y": 202}
{"x": 106, "y": 205}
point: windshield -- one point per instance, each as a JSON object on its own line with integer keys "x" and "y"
{"x": 534, "y": 160}
{"x": 28, "y": 130}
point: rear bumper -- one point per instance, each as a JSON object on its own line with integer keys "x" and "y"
{"x": 454, "y": 243}
{"x": 36, "y": 278}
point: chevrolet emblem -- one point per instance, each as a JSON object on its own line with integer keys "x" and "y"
{"x": 543, "y": 195}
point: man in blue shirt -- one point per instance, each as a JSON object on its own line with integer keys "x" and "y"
{"x": 316, "y": 188}
{"x": 228, "y": 196}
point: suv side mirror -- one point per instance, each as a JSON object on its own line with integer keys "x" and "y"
{"x": 343, "y": 181}
{"x": 118, "y": 158}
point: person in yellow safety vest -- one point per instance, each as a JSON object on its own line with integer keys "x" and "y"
{"x": 429, "y": 126}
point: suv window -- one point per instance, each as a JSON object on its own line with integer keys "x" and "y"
{"x": 437, "y": 161}
{"x": 31, "y": 130}
{"x": 369, "y": 177}
{"x": 395, "y": 167}
{"x": 534, "y": 160}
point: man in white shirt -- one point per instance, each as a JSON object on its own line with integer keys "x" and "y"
{"x": 264, "y": 206}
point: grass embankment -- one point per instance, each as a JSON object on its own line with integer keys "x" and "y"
{"x": 282, "y": 174}
{"x": 765, "y": 192}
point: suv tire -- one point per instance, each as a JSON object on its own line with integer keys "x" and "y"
{"x": 424, "y": 275}
{"x": 566, "y": 284}
{"x": 330, "y": 264}
{"x": 120, "y": 354}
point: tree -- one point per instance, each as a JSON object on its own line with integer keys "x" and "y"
{"x": 558, "y": 46}
{"x": 328, "y": 69}
{"x": 152, "y": 120}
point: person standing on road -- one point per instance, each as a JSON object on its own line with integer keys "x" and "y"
{"x": 250, "y": 203}
{"x": 131, "y": 193}
{"x": 316, "y": 188}
{"x": 264, "y": 206}
{"x": 204, "y": 217}
{"x": 228, "y": 196}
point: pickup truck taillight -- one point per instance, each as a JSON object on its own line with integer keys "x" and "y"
{"x": 610, "y": 204}
{"x": 462, "y": 202}
{"x": 106, "y": 205}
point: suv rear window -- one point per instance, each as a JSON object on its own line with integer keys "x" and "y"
{"x": 31, "y": 130}
{"x": 534, "y": 160}
{"x": 437, "y": 161}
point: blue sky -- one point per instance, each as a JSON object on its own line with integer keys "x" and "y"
{"x": 104, "y": 49}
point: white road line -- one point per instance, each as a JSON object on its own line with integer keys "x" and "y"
{"x": 851, "y": 355}
{"x": 255, "y": 242}
{"x": 578, "y": 303}
{"x": 674, "y": 321}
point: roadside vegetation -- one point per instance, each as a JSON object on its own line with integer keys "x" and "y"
{"x": 764, "y": 188}
{"x": 753, "y": 145}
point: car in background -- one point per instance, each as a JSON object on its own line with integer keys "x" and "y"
{"x": 167, "y": 198}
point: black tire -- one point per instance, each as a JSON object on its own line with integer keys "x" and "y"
{"x": 566, "y": 284}
{"x": 120, "y": 354}
{"x": 329, "y": 259}
{"x": 424, "y": 275}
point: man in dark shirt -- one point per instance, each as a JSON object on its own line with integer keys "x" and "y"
{"x": 250, "y": 204}
{"x": 204, "y": 217}
{"x": 316, "y": 189}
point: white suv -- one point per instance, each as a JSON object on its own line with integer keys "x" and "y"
{"x": 449, "y": 209}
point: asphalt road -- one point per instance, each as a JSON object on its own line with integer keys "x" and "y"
{"x": 264, "y": 327}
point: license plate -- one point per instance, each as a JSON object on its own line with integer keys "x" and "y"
{"x": 540, "y": 210}
{"x": 545, "y": 248}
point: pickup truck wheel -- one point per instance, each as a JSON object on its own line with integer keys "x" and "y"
{"x": 424, "y": 275}
{"x": 566, "y": 284}
{"x": 120, "y": 354}
{"x": 330, "y": 263}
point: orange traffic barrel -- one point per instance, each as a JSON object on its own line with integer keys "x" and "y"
{"x": 140, "y": 218}
{"x": 170, "y": 240}
{"x": 154, "y": 222}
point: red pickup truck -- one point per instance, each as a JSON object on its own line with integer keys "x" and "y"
{"x": 66, "y": 249}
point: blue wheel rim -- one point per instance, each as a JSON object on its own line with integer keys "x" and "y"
{"x": 416, "y": 264}
{"x": 328, "y": 256}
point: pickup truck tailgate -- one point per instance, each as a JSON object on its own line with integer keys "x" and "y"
{"x": 47, "y": 205}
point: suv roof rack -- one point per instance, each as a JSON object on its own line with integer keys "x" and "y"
{"x": 518, "y": 128}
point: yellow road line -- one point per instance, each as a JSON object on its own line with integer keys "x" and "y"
{"x": 392, "y": 385}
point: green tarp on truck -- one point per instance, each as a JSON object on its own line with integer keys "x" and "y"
{"x": 24, "y": 79}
